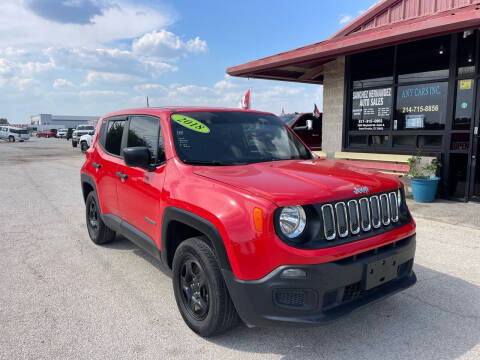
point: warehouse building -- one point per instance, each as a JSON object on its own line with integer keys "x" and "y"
{"x": 401, "y": 78}
{"x": 49, "y": 121}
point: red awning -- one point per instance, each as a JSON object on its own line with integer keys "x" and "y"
{"x": 305, "y": 64}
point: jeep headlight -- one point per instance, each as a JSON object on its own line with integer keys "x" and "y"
{"x": 292, "y": 221}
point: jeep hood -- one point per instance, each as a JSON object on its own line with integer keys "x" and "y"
{"x": 292, "y": 182}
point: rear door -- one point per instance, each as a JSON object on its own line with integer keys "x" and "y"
{"x": 140, "y": 190}
{"x": 106, "y": 160}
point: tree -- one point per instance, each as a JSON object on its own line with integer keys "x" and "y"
{"x": 3, "y": 121}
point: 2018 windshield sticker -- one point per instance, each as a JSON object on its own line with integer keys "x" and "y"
{"x": 190, "y": 123}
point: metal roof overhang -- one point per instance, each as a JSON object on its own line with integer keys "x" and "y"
{"x": 306, "y": 64}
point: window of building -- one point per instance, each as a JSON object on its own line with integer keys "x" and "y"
{"x": 373, "y": 68}
{"x": 421, "y": 107}
{"x": 424, "y": 60}
{"x": 145, "y": 131}
{"x": 466, "y": 53}
{"x": 464, "y": 104}
{"x": 113, "y": 139}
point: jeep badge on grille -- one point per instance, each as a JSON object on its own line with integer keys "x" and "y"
{"x": 361, "y": 190}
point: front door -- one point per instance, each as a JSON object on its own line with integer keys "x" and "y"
{"x": 140, "y": 190}
{"x": 474, "y": 184}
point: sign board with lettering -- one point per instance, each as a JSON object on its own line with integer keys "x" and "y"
{"x": 371, "y": 109}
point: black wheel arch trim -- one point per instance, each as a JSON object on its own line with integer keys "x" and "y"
{"x": 87, "y": 179}
{"x": 197, "y": 222}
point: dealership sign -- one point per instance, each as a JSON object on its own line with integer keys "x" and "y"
{"x": 371, "y": 109}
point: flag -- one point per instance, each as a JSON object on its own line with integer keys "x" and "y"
{"x": 283, "y": 111}
{"x": 316, "y": 112}
{"x": 245, "y": 101}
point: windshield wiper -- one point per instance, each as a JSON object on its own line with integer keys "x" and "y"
{"x": 203, "y": 162}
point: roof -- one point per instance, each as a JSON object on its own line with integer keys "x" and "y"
{"x": 387, "y": 23}
{"x": 170, "y": 109}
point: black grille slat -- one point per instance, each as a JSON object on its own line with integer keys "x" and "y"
{"x": 353, "y": 216}
{"x": 365, "y": 214}
{"x": 385, "y": 209}
{"x": 342, "y": 219}
{"x": 328, "y": 222}
{"x": 393, "y": 206}
{"x": 375, "y": 206}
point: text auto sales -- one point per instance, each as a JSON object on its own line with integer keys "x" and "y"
{"x": 372, "y": 97}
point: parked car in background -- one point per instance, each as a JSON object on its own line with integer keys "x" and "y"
{"x": 13, "y": 134}
{"x": 81, "y": 130}
{"x": 61, "y": 133}
{"x": 85, "y": 142}
{"x": 46, "y": 133}
{"x": 307, "y": 126}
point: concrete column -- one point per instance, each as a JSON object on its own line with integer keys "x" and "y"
{"x": 333, "y": 99}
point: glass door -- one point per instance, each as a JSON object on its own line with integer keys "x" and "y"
{"x": 475, "y": 161}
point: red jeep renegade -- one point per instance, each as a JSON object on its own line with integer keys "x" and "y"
{"x": 253, "y": 226}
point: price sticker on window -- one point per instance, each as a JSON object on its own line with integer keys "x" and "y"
{"x": 190, "y": 123}
{"x": 465, "y": 84}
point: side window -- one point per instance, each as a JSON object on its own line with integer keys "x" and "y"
{"x": 102, "y": 133}
{"x": 144, "y": 131}
{"x": 113, "y": 138}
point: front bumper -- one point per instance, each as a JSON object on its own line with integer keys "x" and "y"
{"x": 327, "y": 292}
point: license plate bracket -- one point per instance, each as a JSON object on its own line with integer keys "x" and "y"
{"x": 381, "y": 271}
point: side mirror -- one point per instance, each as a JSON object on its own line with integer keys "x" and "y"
{"x": 309, "y": 125}
{"x": 138, "y": 156}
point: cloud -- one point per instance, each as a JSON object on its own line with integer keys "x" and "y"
{"x": 165, "y": 45}
{"x": 266, "y": 95}
{"x": 59, "y": 83}
{"x": 96, "y": 78}
{"x": 102, "y": 93}
{"x": 67, "y": 11}
{"x": 344, "y": 19}
{"x": 21, "y": 26}
{"x": 105, "y": 60}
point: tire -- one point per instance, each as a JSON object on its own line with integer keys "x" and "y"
{"x": 11, "y": 139}
{"x": 200, "y": 291}
{"x": 74, "y": 143}
{"x": 97, "y": 230}
{"x": 83, "y": 147}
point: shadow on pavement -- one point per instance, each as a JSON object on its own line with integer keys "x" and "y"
{"x": 438, "y": 318}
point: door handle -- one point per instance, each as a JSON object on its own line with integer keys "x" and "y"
{"x": 96, "y": 165}
{"x": 122, "y": 175}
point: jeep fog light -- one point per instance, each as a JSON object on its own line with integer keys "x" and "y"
{"x": 292, "y": 221}
{"x": 293, "y": 273}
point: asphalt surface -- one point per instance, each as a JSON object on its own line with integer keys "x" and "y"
{"x": 62, "y": 297}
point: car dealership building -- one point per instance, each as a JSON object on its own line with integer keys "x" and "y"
{"x": 401, "y": 78}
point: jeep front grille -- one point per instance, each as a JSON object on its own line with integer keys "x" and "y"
{"x": 359, "y": 215}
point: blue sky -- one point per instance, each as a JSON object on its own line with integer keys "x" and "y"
{"x": 91, "y": 57}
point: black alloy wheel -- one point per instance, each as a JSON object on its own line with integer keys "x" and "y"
{"x": 200, "y": 291}
{"x": 97, "y": 230}
{"x": 195, "y": 288}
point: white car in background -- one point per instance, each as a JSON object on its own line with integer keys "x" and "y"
{"x": 85, "y": 142}
{"x": 62, "y": 133}
{"x": 13, "y": 134}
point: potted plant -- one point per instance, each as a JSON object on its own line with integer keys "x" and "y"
{"x": 423, "y": 178}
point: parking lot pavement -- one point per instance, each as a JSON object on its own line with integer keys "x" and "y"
{"x": 63, "y": 297}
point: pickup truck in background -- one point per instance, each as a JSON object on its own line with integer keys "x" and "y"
{"x": 307, "y": 126}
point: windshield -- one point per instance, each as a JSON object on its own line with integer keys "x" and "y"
{"x": 233, "y": 138}
{"x": 86, "y": 127}
{"x": 288, "y": 118}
